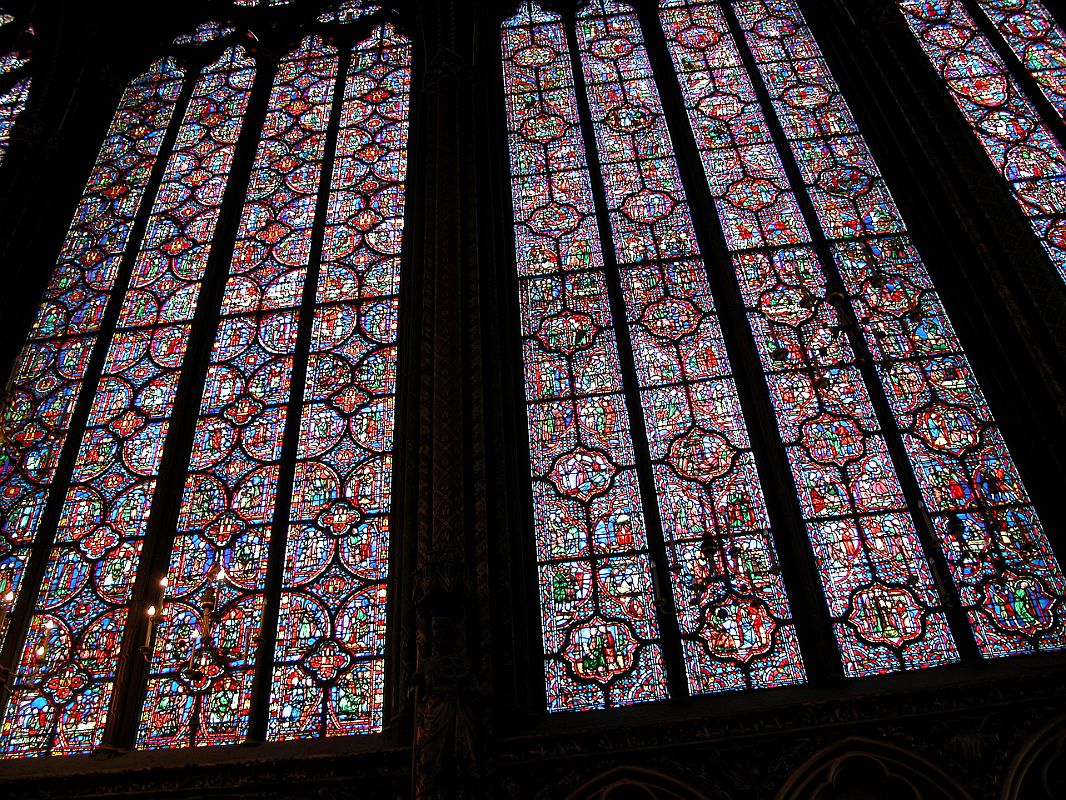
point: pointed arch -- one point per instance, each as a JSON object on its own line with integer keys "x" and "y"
{"x": 1038, "y": 769}
{"x": 899, "y": 774}
{"x": 635, "y": 783}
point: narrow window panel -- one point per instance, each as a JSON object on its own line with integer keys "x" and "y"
{"x": 91, "y": 569}
{"x": 999, "y": 557}
{"x": 1030, "y": 31}
{"x": 732, "y": 610}
{"x": 201, "y": 669}
{"x": 329, "y": 672}
{"x": 12, "y": 103}
{"x": 601, "y": 638}
{"x": 48, "y": 376}
{"x": 880, "y": 590}
{"x": 1021, "y": 146}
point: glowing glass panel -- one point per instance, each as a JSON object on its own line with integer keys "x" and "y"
{"x": 201, "y": 669}
{"x": 601, "y": 638}
{"x": 732, "y": 610}
{"x": 879, "y": 587}
{"x": 329, "y": 670}
{"x": 999, "y": 557}
{"x": 59, "y": 703}
{"x": 348, "y": 11}
{"x": 12, "y": 103}
{"x": 48, "y": 375}
{"x": 206, "y": 32}
{"x": 13, "y": 99}
{"x": 1030, "y": 31}
{"x": 1020, "y": 145}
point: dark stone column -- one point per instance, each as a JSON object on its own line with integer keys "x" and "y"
{"x": 448, "y": 713}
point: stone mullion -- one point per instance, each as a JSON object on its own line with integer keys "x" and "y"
{"x": 514, "y": 586}
{"x": 412, "y": 396}
{"x": 446, "y": 751}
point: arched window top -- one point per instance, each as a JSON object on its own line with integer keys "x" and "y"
{"x": 337, "y": 16}
{"x": 531, "y": 13}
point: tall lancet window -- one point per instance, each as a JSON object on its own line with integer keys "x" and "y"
{"x": 216, "y": 399}
{"x": 972, "y": 45}
{"x": 655, "y": 548}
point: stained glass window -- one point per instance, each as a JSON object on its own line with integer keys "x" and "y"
{"x": 304, "y": 352}
{"x": 1032, "y": 34}
{"x": 735, "y": 623}
{"x": 49, "y": 374}
{"x": 984, "y": 521}
{"x": 601, "y": 638}
{"x": 1017, "y": 139}
{"x": 329, "y": 669}
{"x": 14, "y": 80}
{"x": 878, "y": 586}
{"x": 87, "y": 585}
{"x": 893, "y": 452}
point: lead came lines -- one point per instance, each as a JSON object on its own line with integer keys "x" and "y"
{"x": 600, "y": 636}
{"x": 732, "y": 609}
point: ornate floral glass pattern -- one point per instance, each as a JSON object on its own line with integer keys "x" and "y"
{"x": 89, "y": 579}
{"x": 1030, "y": 31}
{"x": 1010, "y": 583}
{"x": 732, "y": 610}
{"x": 879, "y": 588}
{"x": 1020, "y": 145}
{"x": 329, "y": 670}
{"x": 48, "y": 376}
{"x": 601, "y": 638}
{"x": 199, "y": 688}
